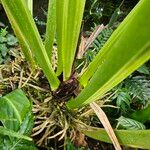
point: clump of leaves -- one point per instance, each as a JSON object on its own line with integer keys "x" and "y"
{"x": 7, "y": 42}
{"x": 134, "y": 92}
{"x": 123, "y": 99}
{"x": 109, "y": 66}
{"x": 139, "y": 88}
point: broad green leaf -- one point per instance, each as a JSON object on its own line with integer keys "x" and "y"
{"x": 17, "y": 120}
{"x": 142, "y": 115}
{"x": 50, "y": 27}
{"x": 129, "y": 124}
{"x": 27, "y": 125}
{"x": 123, "y": 53}
{"x": 5, "y": 131}
{"x": 3, "y": 117}
{"x": 131, "y": 138}
{"x": 69, "y": 17}
{"x": 14, "y": 105}
{"x": 28, "y": 35}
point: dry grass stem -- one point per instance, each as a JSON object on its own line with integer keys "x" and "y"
{"x": 104, "y": 120}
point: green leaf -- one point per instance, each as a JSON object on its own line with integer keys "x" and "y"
{"x": 14, "y": 105}
{"x": 3, "y": 39}
{"x": 3, "y": 32}
{"x": 61, "y": 24}
{"x": 27, "y": 125}
{"x": 129, "y": 124}
{"x": 24, "y": 44}
{"x": 4, "y": 118}
{"x": 142, "y": 115}
{"x": 119, "y": 57}
{"x": 11, "y": 133}
{"x": 30, "y": 5}
{"x": 114, "y": 17}
{"x": 28, "y": 146}
{"x": 69, "y": 17}
{"x": 28, "y": 35}
{"x": 17, "y": 118}
{"x": 131, "y": 138}
{"x": 144, "y": 69}
{"x": 3, "y": 50}
{"x": 70, "y": 145}
{"x": 11, "y": 40}
{"x": 123, "y": 100}
{"x": 139, "y": 87}
{"x": 50, "y": 27}
{"x": 102, "y": 39}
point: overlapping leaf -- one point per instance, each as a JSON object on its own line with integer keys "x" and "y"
{"x": 119, "y": 57}
{"x": 69, "y": 17}
{"x": 28, "y": 35}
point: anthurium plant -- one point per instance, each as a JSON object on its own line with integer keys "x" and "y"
{"x": 125, "y": 51}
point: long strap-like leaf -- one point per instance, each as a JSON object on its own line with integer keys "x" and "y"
{"x": 131, "y": 138}
{"x": 50, "y": 27}
{"x": 26, "y": 30}
{"x": 30, "y": 5}
{"x": 126, "y": 50}
{"x": 69, "y": 17}
{"x": 61, "y": 31}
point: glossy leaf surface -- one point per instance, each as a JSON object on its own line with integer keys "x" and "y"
{"x": 124, "y": 52}
{"x": 136, "y": 139}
